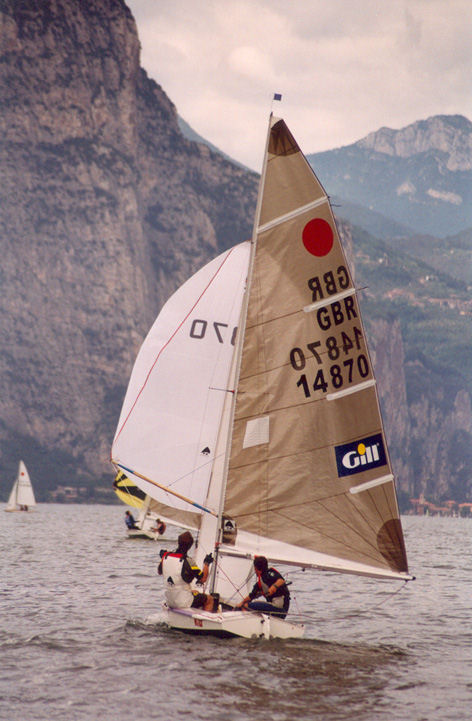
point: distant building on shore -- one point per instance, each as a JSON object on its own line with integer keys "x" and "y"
{"x": 421, "y": 507}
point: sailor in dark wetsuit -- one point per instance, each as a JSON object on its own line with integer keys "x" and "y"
{"x": 272, "y": 586}
{"x": 130, "y": 522}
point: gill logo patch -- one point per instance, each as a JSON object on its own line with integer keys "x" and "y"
{"x": 360, "y": 455}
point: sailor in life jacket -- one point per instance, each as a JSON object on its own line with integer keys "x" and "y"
{"x": 272, "y": 586}
{"x": 179, "y": 570}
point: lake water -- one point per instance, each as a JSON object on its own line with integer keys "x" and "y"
{"x": 74, "y": 646}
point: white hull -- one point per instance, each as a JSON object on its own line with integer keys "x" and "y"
{"x": 143, "y": 533}
{"x": 18, "y": 510}
{"x": 227, "y": 623}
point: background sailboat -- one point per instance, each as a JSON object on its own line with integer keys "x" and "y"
{"x": 148, "y": 521}
{"x": 129, "y": 493}
{"x": 21, "y": 497}
{"x": 299, "y": 468}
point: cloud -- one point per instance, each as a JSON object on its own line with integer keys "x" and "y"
{"x": 250, "y": 62}
{"x": 343, "y": 68}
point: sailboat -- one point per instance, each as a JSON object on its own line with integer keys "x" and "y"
{"x": 268, "y": 437}
{"x": 147, "y": 522}
{"x": 21, "y": 497}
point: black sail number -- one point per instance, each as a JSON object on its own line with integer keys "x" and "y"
{"x": 298, "y": 359}
{"x": 201, "y": 329}
{"x": 338, "y": 363}
{"x": 336, "y": 376}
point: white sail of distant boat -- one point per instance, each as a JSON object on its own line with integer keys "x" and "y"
{"x": 297, "y": 463}
{"x": 21, "y": 497}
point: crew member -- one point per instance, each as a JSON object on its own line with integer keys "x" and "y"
{"x": 160, "y": 527}
{"x": 179, "y": 570}
{"x": 272, "y": 586}
{"x": 129, "y": 520}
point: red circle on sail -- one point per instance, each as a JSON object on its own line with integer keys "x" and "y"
{"x": 318, "y": 237}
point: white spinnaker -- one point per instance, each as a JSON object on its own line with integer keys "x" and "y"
{"x": 171, "y": 413}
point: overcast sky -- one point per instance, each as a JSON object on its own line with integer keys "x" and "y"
{"x": 344, "y": 67}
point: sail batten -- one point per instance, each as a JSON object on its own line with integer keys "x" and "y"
{"x": 293, "y": 214}
{"x": 353, "y": 389}
{"x": 329, "y": 300}
{"x": 371, "y": 484}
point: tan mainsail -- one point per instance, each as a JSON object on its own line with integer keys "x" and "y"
{"x": 309, "y": 464}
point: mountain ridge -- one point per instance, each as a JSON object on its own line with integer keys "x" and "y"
{"x": 449, "y": 134}
{"x": 419, "y": 176}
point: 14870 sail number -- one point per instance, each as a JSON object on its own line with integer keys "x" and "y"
{"x": 338, "y": 371}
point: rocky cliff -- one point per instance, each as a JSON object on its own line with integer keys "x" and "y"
{"x": 105, "y": 209}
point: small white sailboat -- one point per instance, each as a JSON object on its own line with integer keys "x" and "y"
{"x": 21, "y": 497}
{"x": 270, "y": 441}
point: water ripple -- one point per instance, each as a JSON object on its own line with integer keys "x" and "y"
{"x": 75, "y": 646}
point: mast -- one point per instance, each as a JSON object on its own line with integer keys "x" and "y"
{"x": 144, "y": 511}
{"x": 238, "y": 352}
